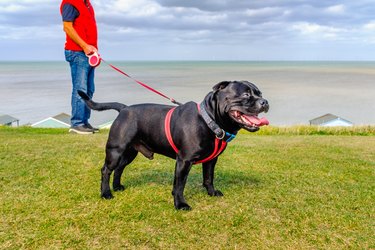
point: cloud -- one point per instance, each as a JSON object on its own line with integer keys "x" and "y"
{"x": 26, "y": 13}
{"x": 12, "y": 8}
{"x": 318, "y": 31}
{"x": 26, "y": 33}
{"x": 199, "y": 26}
{"x": 370, "y": 26}
{"x": 139, "y": 8}
{"x": 336, "y": 9}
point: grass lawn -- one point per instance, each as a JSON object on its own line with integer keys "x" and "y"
{"x": 284, "y": 188}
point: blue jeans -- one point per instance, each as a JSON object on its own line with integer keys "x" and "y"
{"x": 82, "y": 79}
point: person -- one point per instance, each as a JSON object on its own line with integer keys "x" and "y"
{"x": 79, "y": 24}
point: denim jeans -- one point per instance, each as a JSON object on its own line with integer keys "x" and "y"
{"x": 82, "y": 79}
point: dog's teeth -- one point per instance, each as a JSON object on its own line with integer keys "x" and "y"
{"x": 245, "y": 121}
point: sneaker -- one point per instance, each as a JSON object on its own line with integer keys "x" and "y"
{"x": 91, "y": 127}
{"x": 82, "y": 130}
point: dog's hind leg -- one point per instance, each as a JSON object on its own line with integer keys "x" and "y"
{"x": 127, "y": 157}
{"x": 112, "y": 160}
{"x": 208, "y": 178}
{"x": 105, "y": 189}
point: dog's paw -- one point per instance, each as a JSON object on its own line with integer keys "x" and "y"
{"x": 118, "y": 188}
{"x": 216, "y": 193}
{"x": 107, "y": 195}
{"x": 183, "y": 206}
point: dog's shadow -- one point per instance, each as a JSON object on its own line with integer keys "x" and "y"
{"x": 228, "y": 178}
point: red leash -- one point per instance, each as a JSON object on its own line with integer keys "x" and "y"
{"x": 141, "y": 83}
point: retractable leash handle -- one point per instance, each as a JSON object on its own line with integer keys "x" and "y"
{"x": 94, "y": 59}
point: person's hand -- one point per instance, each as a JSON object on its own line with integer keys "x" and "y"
{"x": 89, "y": 49}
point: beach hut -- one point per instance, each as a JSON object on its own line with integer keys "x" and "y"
{"x": 8, "y": 120}
{"x": 330, "y": 120}
{"x": 61, "y": 120}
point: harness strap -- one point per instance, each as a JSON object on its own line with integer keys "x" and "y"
{"x": 216, "y": 152}
{"x": 167, "y": 129}
{"x": 220, "y": 145}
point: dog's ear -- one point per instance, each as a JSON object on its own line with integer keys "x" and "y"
{"x": 221, "y": 85}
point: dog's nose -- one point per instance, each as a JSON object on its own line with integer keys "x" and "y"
{"x": 264, "y": 104}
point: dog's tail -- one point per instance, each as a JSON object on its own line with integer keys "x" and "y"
{"x": 100, "y": 106}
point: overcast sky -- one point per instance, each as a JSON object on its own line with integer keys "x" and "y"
{"x": 198, "y": 29}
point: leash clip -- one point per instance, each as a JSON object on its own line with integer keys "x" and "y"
{"x": 94, "y": 59}
{"x": 222, "y": 135}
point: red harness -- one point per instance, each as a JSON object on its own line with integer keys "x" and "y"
{"x": 220, "y": 145}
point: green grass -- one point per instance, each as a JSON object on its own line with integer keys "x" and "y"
{"x": 284, "y": 188}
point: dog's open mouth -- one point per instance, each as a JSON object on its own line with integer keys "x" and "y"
{"x": 248, "y": 122}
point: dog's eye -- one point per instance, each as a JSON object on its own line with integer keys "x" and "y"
{"x": 247, "y": 95}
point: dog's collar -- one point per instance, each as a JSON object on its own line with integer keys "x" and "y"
{"x": 219, "y": 132}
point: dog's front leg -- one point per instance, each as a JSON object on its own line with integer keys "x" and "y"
{"x": 180, "y": 177}
{"x": 208, "y": 178}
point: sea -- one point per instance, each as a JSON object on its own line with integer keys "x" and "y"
{"x": 297, "y": 91}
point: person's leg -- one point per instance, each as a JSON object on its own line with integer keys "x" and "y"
{"x": 80, "y": 74}
{"x": 90, "y": 92}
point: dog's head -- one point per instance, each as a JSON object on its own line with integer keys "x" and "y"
{"x": 242, "y": 101}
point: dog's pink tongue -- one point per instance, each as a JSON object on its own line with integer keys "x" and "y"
{"x": 257, "y": 121}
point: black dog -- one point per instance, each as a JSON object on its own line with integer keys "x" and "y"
{"x": 189, "y": 133}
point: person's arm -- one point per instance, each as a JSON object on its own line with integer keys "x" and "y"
{"x": 72, "y": 33}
